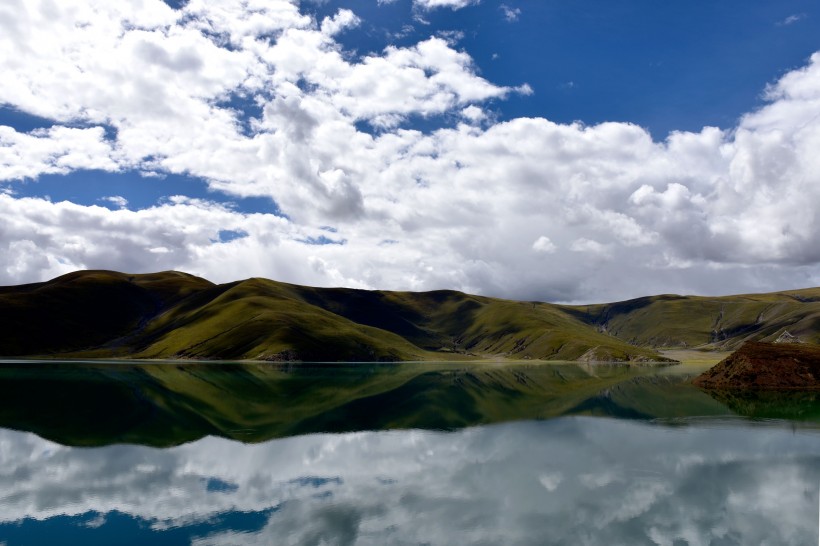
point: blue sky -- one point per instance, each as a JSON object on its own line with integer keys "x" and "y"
{"x": 673, "y": 65}
{"x": 511, "y": 148}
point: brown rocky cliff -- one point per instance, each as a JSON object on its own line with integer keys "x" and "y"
{"x": 766, "y": 366}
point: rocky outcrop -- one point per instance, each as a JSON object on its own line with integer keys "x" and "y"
{"x": 599, "y": 354}
{"x": 766, "y": 366}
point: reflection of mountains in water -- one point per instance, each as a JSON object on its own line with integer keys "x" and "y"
{"x": 760, "y": 404}
{"x": 650, "y": 397}
{"x": 170, "y": 404}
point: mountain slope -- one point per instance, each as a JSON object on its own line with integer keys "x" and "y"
{"x": 262, "y": 320}
{"x": 727, "y": 322}
{"x": 451, "y": 321}
{"x": 172, "y": 315}
{"x": 267, "y": 320}
{"x": 85, "y": 309}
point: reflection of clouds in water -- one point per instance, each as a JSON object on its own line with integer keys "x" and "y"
{"x": 550, "y": 481}
{"x": 599, "y": 479}
{"x": 572, "y": 480}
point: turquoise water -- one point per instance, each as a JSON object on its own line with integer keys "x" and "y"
{"x": 580, "y": 476}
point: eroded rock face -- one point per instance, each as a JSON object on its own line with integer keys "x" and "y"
{"x": 766, "y": 366}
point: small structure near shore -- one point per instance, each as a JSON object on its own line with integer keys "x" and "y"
{"x": 786, "y": 337}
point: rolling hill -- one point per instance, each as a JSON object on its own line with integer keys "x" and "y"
{"x": 724, "y": 323}
{"x": 173, "y": 315}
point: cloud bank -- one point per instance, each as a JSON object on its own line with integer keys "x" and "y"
{"x": 258, "y": 99}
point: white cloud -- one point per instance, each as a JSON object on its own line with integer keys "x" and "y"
{"x": 452, "y": 4}
{"x": 344, "y": 19}
{"x": 551, "y": 480}
{"x": 510, "y": 14}
{"x": 589, "y": 246}
{"x": 473, "y": 114}
{"x": 452, "y": 37}
{"x": 117, "y": 200}
{"x": 260, "y": 100}
{"x": 57, "y": 150}
{"x": 791, "y": 19}
{"x": 543, "y": 244}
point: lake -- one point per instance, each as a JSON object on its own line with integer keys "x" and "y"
{"x": 424, "y": 453}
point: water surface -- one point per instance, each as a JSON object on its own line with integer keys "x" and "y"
{"x": 401, "y": 454}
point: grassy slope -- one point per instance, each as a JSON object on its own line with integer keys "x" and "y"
{"x": 174, "y": 315}
{"x": 261, "y": 319}
{"x": 85, "y": 309}
{"x": 102, "y": 314}
{"x": 449, "y": 321}
{"x": 711, "y": 323}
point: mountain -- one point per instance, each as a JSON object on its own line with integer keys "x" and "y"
{"x": 86, "y": 309}
{"x": 724, "y": 323}
{"x": 173, "y": 315}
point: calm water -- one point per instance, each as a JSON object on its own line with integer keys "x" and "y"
{"x": 410, "y": 454}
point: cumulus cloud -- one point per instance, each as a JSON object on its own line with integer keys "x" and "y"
{"x": 344, "y": 19}
{"x": 57, "y": 150}
{"x": 474, "y": 114}
{"x": 543, "y": 244}
{"x": 41, "y": 237}
{"x": 510, "y": 14}
{"x": 452, "y": 4}
{"x": 116, "y": 200}
{"x": 259, "y": 100}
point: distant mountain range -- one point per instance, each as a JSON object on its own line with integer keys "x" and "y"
{"x": 173, "y": 315}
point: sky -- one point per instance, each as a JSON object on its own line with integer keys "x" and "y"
{"x": 541, "y": 150}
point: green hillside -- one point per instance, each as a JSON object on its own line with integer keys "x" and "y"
{"x": 172, "y": 315}
{"x": 101, "y": 314}
{"x": 710, "y": 323}
{"x": 264, "y": 320}
{"x": 86, "y": 309}
{"x": 446, "y": 321}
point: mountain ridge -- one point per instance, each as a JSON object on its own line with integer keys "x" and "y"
{"x": 174, "y": 315}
